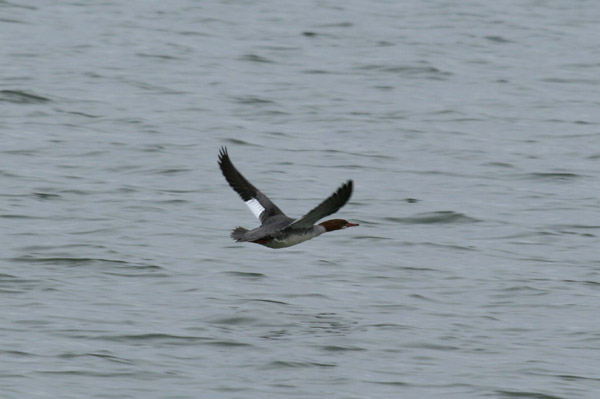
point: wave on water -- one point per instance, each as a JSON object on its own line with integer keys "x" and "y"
{"x": 435, "y": 217}
{"x": 550, "y": 176}
{"x": 21, "y": 97}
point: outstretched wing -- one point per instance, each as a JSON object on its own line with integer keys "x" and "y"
{"x": 259, "y": 204}
{"x": 327, "y": 207}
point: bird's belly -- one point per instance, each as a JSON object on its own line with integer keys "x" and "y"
{"x": 291, "y": 239}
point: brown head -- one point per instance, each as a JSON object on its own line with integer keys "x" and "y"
{"x": 336, "y": 224}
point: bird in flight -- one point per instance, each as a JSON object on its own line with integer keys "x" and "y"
{"x": 278, "y": 230}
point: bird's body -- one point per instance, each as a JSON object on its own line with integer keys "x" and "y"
{"x": 278, "y": 230}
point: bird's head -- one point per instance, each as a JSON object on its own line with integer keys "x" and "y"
{"x": 337, "y": 224}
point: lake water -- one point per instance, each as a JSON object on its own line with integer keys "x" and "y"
{"x": 471, "y": 131}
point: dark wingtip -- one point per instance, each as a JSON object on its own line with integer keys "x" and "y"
{"x": 222, "y": 153}
{"x": 349, "y": 185}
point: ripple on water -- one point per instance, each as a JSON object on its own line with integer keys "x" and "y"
{"x": 283, "y": 364}
{"x": 527, "y": 395}
{"x": 114, "y": 267}
{"x": 21, "y": 97}
{"x": 246, "y": 275}
{"x": 550, "y": 176}
{"x": 435, "y": 218}
{"x": 11, "y": 284}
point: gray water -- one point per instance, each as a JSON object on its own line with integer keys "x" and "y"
{"x": 472, "y": 133}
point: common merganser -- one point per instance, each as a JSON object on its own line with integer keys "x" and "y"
{"x": 276, "y": 229}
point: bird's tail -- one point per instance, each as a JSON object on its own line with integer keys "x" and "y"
{"x": 238, "y": 234}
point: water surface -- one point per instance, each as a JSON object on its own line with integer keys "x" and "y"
{"x": 470, "y": 131}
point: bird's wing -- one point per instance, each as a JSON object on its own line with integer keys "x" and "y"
{"x": 260, "y": 205}
{"x": 327, "y": 207}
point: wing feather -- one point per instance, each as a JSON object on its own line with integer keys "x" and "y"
{"x": 260, "y": 205}
{"x": 325, "y": 208}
